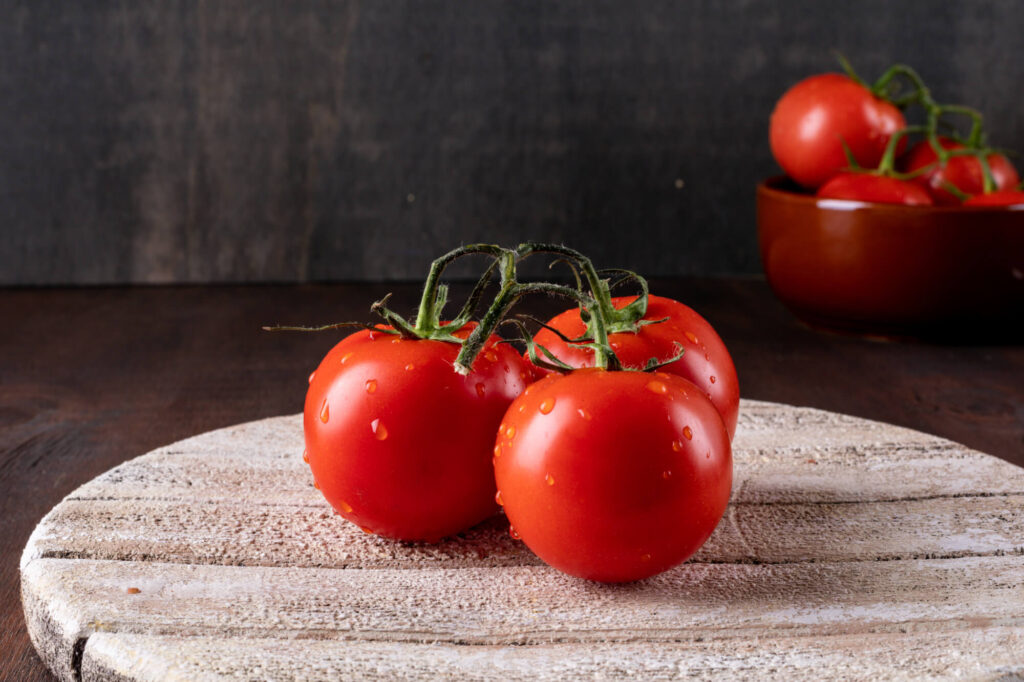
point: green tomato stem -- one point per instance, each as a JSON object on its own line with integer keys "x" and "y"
{"x": 428, "y": 317}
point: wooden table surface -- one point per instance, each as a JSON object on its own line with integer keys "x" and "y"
{"x": 93, "y": 377}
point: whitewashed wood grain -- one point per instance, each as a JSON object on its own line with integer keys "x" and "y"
{"x": 976, "y": 653}
{"x": 851, "y": 549}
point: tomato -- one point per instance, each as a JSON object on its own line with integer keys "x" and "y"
{"x": 401, "y": 444}
{"x": 813, "y": 119}
{"x": 876, "y": 188}
{"x": 613, "y": 476}
{"x": 706, "y": 361}
{"x": 963, "y": 172}
{"x": 1010, "y": 197}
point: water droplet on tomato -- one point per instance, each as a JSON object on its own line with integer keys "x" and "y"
{"x": 371, "y": 336}
{"x": 510, "y": 432}
{"x": 311, "y": 375}
{"x": 366, "y": 530}
{"x": 371, "y": 385}
{"x": 713, "y": 379}
{"x": 490, "y": 356}
{"x": 316, "y": 484}
{"x": 528, "y": 389}
{"x": 666, "y": 474}
{"x": 645, "y": 557}
{"x": 584, "y": 414}
{"x": 522, "y": 407}
{"x": 514, "y": 533}
{"x": 550, "y": 479}
{"x": 497, "y": 450}
{"x": 325, "y": 412}
{"x": 707, "y": 356}
{"x": 305, "y": 456}
{"x": 497, "y": 498}
{"x": 657, "y": 386}
{"x": 690, "y": 336}
{"x": 397, "y": 339}
{"x": 547, "y": 405}
{"x": 677, "y": 445}
{"x": 687, "y": 433}
{"x": 410, "y": 367}
{"x": 378, "y": 429}
{"x": 480, "y": 390}
{"x": 345, "y": 507}
{"x": 346, "y": 356}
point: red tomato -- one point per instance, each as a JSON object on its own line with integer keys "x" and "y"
{"x": 401, "y": 444}
{"x": 1010, "y": 197}
{"x": 706, "y": 361}
{"x": 963, "y": 172}
{"x": 613, "y": 476}
{"x": 813, "y": 119}
{"x": 877, "y": 188}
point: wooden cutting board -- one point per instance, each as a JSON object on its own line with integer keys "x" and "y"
{"x": 851, "y": 549}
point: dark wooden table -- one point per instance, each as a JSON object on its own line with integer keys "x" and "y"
{"x": 92, "y": 377}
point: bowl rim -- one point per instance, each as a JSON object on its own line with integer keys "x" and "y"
{"x": 770, "y": 188}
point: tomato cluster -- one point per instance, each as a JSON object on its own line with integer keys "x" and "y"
{"x": 844, "y": 139}
{"x": 607, "y": 441}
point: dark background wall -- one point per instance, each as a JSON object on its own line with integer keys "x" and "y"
{"x": 248, "y": 140}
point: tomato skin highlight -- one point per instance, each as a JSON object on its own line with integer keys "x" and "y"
{"x": 963, "y": 172}
{"x": 401, "y": 444}
{"x": 813, "y": 118}
{"x": 613, "y": 476}
{"x": 706, "y": 361}
{"x": 875, "y": 188}
{"x": 1009, "y": 197}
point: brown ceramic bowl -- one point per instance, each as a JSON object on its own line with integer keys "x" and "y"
{"x": 893, "y": 270}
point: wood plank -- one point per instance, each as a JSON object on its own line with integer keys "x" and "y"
{"x": 780, "y": 455}
{"x": 520, "y": 605}
{"x": 136, "y": 511}
{"x": 974, "y": 653}
{"x": 264, "y": 535}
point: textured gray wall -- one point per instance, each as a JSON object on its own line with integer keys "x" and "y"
{"x": 249, "y": 140}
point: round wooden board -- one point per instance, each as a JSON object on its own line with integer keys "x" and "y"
{"x": 851, "y": 549}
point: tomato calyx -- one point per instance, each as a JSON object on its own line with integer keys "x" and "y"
{"x": 630, "y": 317}
{"x": 595, "y": 296}
{"x": 551, "y": 362}
{"x": 428, "y": 324}
{"x": 887, "y": 165}
{"x": 598, "y": 312}
{"x": 975, "y": 150}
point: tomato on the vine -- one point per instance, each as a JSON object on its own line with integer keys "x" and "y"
{"x": 613, "y": 476}
{"x": 705, "y": 361}
{"x": 398, "y": 441}
{"x": 962, "y": 172}
{"x": 813, "y": 120}
{"x": 876, "y": 188}
{"x": 1009, "y": 197}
